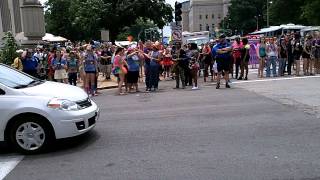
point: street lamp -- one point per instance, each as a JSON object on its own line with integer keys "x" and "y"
{"x": 257, "y": 18}
{"x": 268, "y": 2}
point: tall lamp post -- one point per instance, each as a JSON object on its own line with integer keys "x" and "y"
{"x": 268, "y": 20}
{"x": 257, "y": 18}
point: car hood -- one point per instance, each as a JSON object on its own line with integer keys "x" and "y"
{"x": 56, "y": 90}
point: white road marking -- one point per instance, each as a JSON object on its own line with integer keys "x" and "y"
{"x": 275, "y": 79}
{"x": 7, "y": 164}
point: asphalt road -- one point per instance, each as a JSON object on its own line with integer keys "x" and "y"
{"x": 244, "y": 133}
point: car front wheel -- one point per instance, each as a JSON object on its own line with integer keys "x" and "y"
{"x": 30, "y": 135}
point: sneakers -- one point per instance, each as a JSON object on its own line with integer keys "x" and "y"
{"x": 228, "y": 86}
{"x": 246, "y": 78}
{"x": 240, "y": 78}
{"x": 195, "y": 88}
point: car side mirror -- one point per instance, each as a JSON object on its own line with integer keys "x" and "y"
{"x": 2, "y": 92}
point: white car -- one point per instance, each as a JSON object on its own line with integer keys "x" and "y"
{"x": 33, "y": 112}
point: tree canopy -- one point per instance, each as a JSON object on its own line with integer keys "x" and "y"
{"x": 243, "y": 14}
{"x": 83, "y": 19}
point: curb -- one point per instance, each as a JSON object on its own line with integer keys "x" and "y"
{"x": 107, "y": 87}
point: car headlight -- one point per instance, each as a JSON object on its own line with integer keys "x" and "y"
{"x": 63, "y": 104}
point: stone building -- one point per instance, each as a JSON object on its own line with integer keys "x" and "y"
{"x": 25, "y": 16}
{"x": 203, "y": 15}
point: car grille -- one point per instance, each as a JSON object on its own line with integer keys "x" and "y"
{"x": 84, "y": 104}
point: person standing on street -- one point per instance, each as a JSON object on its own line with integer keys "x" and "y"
{"x": 236, "y": 53}
{"x": 283, "y": 55}
{"x": 133, "y": 61}
{"x": 119, "y": 69}
{"x": 272, "y": 53}
{"x": 152, "y": 76}
{"x": 306, "y": 55}
{"x": 91, "y": 70}
{"x": 222, "y": 53}
{"x": 194, "y": 64}
{"x": 106, "y": 55}
{"x": 17, "y": 63}
{"x": 207, "y": 59}
{"x": 59, "y": 65}
{"x": 316, "y": 45}
{"x": 297, "y": 51}
{"x": 245, "y": 57}
{"x": 262, "y": 54}
{"x": 73, "y": 66}
{"x": 30, "y": 64}
{"x": 290, "y": 53}
{"x": 179, "y": 56}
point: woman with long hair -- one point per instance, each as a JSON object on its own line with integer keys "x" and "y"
{"x": 91, "y": 70}
{"x": 262, "y": 54}
{"x": 119, "y": 69}
{"x": 306, "y": 55}
{"x": 194, "y": 64}
{"x": 60, "y": 67}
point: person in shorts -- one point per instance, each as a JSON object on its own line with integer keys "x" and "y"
{"x": 222, "y": 52}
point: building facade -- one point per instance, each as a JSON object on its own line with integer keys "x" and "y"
{"x": 203, "y": 15}
{"x": 22, "y": 16}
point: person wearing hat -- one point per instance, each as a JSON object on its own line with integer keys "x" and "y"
{"x": 17, "y": 63}
{"x": 222, "y": 53}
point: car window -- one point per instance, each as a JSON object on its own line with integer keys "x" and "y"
{"x": 13, "y": 78}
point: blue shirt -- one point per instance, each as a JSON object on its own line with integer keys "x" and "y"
{"x": 58, "y": 64}
{"x": 133, "y": 63}
{"x": 221, "y": 46}
{"x": 90, "y": 63}
{"x": 29, "y": 64}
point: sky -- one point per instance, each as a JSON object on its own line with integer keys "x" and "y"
{"x": 166, "y": 30}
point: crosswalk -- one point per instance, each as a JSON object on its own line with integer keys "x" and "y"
{"x": 8, "y": 163}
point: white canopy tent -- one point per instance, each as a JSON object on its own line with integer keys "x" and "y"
{"x": 48, "y": 37}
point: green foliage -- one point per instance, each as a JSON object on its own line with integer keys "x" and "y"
{"x": 242, "y": 14}
{"x": 311, "y": 11}
{"x": 8, "y": 51}
{"x": 83, "y": 19}
{"x": 284, "y": 12}
{"x": 137, "y": 30}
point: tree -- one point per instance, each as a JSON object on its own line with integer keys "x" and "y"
{"x": 8, "y": 52}
{"x": 138, "y": 29}
{"x": 85, "y": 18}
{"x": 242, "y": 15}
{"x": 311, "y": 11}
{"x": 284, "y": 12}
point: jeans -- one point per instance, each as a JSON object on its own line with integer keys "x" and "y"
{"x": 282, "y": 66}
{"x": 73, "y": 78}
{"x": 272, "y": 61}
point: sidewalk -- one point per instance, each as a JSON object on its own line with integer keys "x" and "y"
{"x": 103, "y": 83}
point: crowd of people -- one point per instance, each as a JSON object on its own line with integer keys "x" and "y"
{"x": 148, "y": 61}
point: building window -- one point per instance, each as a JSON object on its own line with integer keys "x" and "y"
{"x": 206, "y": 16}
{"x": 200, "y": 17}
{"x": 213, "y": 26}
{"x": 219, "y": 16}
{"x": 207, "y": 28}
{"x": 200, "y": 27}
{"x": 212, "y": 16}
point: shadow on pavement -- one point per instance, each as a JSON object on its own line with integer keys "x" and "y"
{"x": 61, "y": 146}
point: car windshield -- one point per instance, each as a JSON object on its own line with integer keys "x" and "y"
{"x": 16, "y": 79}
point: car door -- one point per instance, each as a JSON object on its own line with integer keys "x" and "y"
{"x": 8, "y": 103}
